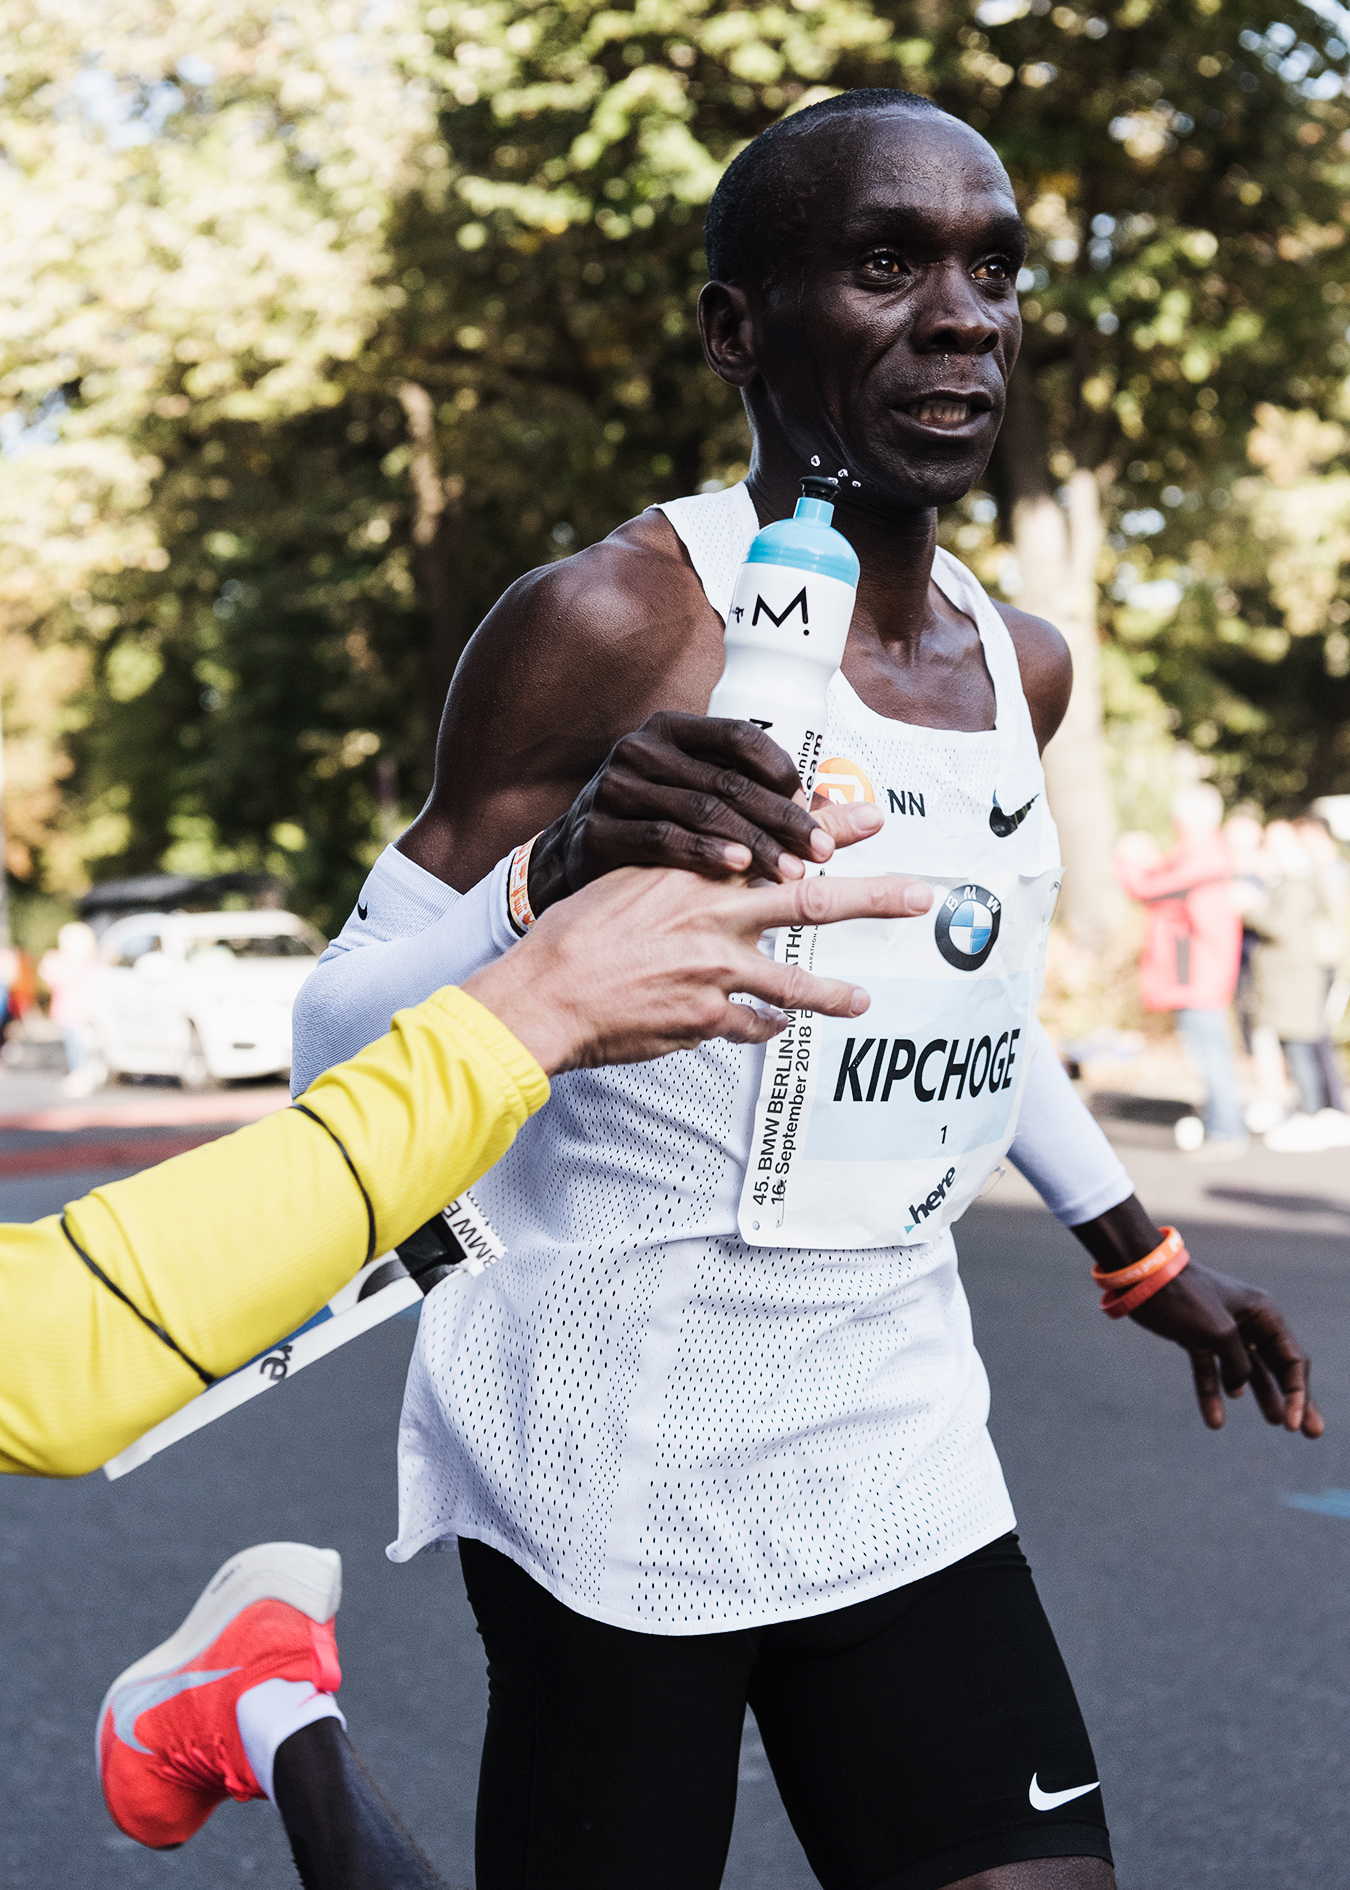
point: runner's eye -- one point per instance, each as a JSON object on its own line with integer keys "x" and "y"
{"x": 995, "y": 269}
{"x": 884, "y": 262}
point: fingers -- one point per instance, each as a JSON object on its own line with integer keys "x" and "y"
{"x": 1267, "y": 1392}
{"x": 653, "y": 802}
{"x": 820, "y": 901}
{"x": 793, "y": 989}
{"x": 677, "y": 842}
{"x": 743, "y": 746}
{"x": 1207, "y": 1389}
{"x": 1277, "y": 1355}
{"x": 744, "y": 1025}
{"x": 859, "y": 820}
{"x": 1235, "y": 1336}
{"x": 1235, "y": 1367}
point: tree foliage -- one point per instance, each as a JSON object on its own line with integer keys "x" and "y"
{"x": 320, "y": 324}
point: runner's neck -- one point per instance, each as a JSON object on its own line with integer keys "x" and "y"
{"x": 896, "y": 601}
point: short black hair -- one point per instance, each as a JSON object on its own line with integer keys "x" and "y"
{"x": 760, "y": 209}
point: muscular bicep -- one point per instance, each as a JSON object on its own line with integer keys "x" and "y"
{"x": 1047, "y": 669}
{"x": 570, "y": 660}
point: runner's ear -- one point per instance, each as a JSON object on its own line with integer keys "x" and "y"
{"x": 726, "y": 326}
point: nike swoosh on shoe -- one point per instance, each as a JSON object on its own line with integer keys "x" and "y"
{"x": 135, "y": 1700}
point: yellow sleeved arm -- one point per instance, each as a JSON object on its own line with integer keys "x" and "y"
{"x": 233, "y": 1245}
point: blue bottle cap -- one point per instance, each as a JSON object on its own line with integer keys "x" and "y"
{"x": 807, "y": 541}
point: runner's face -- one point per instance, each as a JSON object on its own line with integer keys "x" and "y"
{"x": 893, "y": 346}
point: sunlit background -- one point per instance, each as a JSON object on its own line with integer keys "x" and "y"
{"x": 321, "y": 323}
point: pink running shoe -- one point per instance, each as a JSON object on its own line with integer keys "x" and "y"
{"x": 167, "y": 1746}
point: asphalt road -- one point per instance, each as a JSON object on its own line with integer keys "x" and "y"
{"x": 1202, "y": 1616}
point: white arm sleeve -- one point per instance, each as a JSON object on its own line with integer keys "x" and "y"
{"x": 1059, "y": 1147}
{"x": 409, "y": 934}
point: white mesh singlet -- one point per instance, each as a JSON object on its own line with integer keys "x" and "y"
{"x": 670, "y": 1430}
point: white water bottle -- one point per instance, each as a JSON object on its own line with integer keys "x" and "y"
{"x": 787, "y": 627}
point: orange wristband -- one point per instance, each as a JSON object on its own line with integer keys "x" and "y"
{"x": 1116, "y": 1305}
{"x": 518, "y": 907}
{"x": 1151, "y": 1263}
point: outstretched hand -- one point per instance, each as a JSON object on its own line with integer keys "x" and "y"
{"x": 644, "y": 962}
{"x": 702, "y": 793}
{"x": 1236, "y": 1336}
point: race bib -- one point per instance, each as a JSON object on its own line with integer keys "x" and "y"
{"x": 880, "y": 1131}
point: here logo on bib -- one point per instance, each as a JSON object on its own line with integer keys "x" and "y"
{"x": 874, "y": 1133}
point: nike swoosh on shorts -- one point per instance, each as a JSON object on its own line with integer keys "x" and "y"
{"x": 1047, "y": 1801}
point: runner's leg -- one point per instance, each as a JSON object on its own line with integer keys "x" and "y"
{"x": 1046, "y": 1873}
{"x": 610, "y": 1758}
{"x": 930, "y": 1737}
{"x": 238, "y": 1703}
{"x": 344, "y": 1833}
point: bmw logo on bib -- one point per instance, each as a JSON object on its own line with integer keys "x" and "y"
{"x": 966, "y": 929}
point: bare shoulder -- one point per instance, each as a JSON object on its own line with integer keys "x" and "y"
{"x": 623, "y": 608}
{"x": 571, "y": 658}
{"x": 1046, "y": 665}
{"x": 598, "y": 592}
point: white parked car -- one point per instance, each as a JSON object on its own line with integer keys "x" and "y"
{"x": 203, "y": 996}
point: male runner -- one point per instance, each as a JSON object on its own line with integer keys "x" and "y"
{"x": 689, "y": 1469}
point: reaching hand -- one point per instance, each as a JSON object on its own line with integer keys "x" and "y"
{"x": 711, "y": 796}
{"x": 1236, "y": 1335}
{"x": 644, "y": 962}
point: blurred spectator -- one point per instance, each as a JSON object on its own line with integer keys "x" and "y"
{"x": 1334, "y": 940}
{"x": 1244, "y": 837}
{"x": 20, "y": 982}
{"x": 1303, "y": 941}
{"x": 1335, "y": 876}
{"x": 1252, "y": 872}
{"x": 18, "y": 987}
{"x": 66, "y": 972}
{"x": 9, "y": 971}
{"x": 1192, "y": 948}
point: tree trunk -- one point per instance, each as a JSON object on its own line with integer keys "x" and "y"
{"x": 1057, "y": 548}
{"x": 436, "y": 508}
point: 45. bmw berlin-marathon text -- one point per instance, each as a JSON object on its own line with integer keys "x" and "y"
{"x": 791, "y": 1068}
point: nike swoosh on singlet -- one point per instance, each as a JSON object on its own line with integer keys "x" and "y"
{"x": 133, "y": 1701}
{"x": 361, "y": 910}
{"x": 1047, "y": 1801}
{"x": 1001, "y": 824}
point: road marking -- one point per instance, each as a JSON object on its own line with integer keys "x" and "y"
{"x": 1329, "y": 1503}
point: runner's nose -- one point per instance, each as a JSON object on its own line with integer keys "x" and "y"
{"x": 954, "y": 320}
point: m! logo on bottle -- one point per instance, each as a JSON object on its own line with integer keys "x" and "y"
{"x": 966, "y": 927}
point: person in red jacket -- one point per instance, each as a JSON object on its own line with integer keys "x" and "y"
{"x": 1192, "y": 949}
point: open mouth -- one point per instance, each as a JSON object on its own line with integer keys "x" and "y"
{"x": 947, "y": 411}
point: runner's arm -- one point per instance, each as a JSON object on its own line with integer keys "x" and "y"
{"x": 234, "y": 1244}
{"x": 408, "y": 934}
{"x": 410, "y": 931}
{"x": 1235, "y": 1334}
{"x": 118, "y": 1312}
{"x": 1059, "y": 1146}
